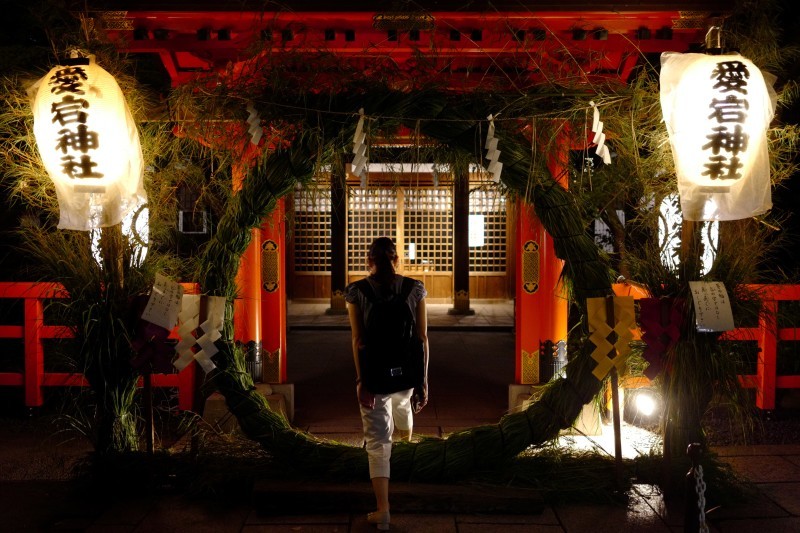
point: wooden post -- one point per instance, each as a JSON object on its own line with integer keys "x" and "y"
{"x": 34, "y": 352}
{"x": 767, "y": 366}
{"x": 199, "y": 401}
{"x": 338, "y": 237}
{"x": 147, "y": 392}
{"x": 615, "y": 398}
{"x": 198, "y": 398}
{"x": 460, "y": 240}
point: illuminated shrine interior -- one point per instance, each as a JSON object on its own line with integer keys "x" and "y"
{"x": 499, "y": 46}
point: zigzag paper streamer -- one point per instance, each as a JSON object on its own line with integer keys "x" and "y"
{"x": 607, "y": 354}
{"x": 201, "y": 348}
{"x": 360, "y": 150}
{"x": 254, "y": 120}
{"x": 495, "y": 167}
{"x": 599, "y": 137}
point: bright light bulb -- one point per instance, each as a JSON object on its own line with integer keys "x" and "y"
{"x": 645, "y": 404}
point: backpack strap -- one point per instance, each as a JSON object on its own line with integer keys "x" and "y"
{"x": 406, "y": 287}
{"x": 366, "y": 289}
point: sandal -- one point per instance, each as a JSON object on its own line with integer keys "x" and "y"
{"x": 380, "y": 519}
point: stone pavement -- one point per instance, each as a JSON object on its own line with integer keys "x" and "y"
{"x": 471, "y": 367}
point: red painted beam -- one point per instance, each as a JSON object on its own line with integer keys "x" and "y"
{"x": 12, "y": 379}
{"x": 192, "y": 42}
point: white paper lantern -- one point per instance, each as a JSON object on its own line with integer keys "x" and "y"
{"x": 89, "y": 144}
{"x": 717, "y": 109}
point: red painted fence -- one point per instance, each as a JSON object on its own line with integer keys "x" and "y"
{"x": 766, "y": 379}
{"x": 767, "y": 335}
{"x": 33, "y": 331}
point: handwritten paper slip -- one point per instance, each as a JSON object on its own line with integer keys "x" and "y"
{"x": 164, "y": 304}
{"x": 712, "y": 307}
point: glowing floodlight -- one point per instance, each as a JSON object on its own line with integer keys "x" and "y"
{"x": 645, "y": 404}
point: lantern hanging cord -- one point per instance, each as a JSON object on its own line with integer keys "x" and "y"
{"x": 714, "y": 42}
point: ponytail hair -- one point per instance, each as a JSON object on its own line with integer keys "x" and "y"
{"x": 383, "y": 254}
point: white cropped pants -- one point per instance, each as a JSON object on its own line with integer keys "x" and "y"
{"x": 390, "y": 411}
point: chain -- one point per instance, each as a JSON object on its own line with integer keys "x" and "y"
{"x": 700, "y": 486}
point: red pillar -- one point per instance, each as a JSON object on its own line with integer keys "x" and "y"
{"x": 541, "y": 306}
{"x": 247, "y": 306}
{"x": 273, "y": 295}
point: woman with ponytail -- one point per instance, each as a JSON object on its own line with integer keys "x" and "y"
{"x": 386, "y": 404}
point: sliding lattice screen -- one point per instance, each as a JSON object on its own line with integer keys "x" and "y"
{"x": 425, "y": 215}
{"x": 312, "y": 229}
{"x": 372, "y": 213}
{"x": 428, "y": 225}
{"x": 491, "y": 257}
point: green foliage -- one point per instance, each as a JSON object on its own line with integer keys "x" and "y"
{"x": 99, "y": 309}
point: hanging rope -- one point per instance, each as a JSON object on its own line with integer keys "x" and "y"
{"x": 700, "y": 488}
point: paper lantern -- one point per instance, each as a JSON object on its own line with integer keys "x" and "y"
{"x": 717, "y": 109}
{"x": 89, "y": 144}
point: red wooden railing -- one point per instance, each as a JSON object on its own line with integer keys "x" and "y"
{"x": 33, "y": 331}
{"x": 34, "y": 378}
{"x": 766, "y": 379}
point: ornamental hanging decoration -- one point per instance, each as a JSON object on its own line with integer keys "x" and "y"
{"x": 199, "y": 327}
{"x": 611, "y": 320}
{"x": 717, "y": 109}
{"x": 254, "y": 124}
{"x": 495, "y": 167}
{"x": 88, "y": 143}
{"x": 599, "y": 139}
{"x": 360, "y": 150}
{"x": 660, "y": 320}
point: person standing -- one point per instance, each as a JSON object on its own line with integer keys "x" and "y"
{"x": 384, "y": 409}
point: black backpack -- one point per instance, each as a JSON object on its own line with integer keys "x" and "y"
{"x": 392, "y": 359}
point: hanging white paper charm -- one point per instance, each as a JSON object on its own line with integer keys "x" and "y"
{"x": 197, "y": 340}
{"x": 495, "y": 167}
{"x": 599, "y": 137}
{"x": 360, "y": 150}
{"x": 254, "y": 121}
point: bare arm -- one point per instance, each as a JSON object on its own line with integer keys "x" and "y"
{"x": 421, "y": 396}
{"x": 356, "y": 330}
{"x": 365, "y": 398}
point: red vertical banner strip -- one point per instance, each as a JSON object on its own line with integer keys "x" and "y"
{"x": 273, "y": 295}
